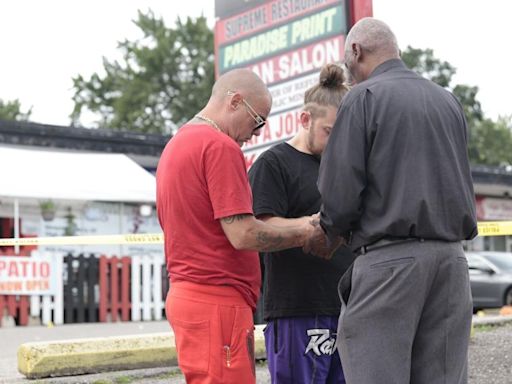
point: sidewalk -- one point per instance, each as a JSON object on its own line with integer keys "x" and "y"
{"x": 12, "y": 338}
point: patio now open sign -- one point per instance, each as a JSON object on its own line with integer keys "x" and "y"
{"x": 27, "y": 275}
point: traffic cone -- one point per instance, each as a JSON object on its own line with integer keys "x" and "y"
{"x": 506, "y": 310}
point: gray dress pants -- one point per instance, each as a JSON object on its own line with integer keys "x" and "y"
{"x": 406, "y": 315}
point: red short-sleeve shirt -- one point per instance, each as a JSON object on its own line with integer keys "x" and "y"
{"x": 201, "y": 177}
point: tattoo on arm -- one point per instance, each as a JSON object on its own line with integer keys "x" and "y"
{"x": 267, "y": 239}
{"x": 268, "y": 242}
{"x": 232, "y": 219}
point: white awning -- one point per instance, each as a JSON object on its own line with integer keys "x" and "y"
{"x": 43, "y": 174}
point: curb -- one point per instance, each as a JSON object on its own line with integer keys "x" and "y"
{"x": 486, "y": 321}
{"x": 95, "y": 355}
{"x": 81, "y": 356}
{"x": 481, "y": 321}
{"x": 106, "y": 354}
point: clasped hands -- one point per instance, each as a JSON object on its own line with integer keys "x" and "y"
{"x": 317, "y": 242}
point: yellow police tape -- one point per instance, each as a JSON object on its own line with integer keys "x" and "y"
{"x": 138, "y": 238}
{"x": 485, "y": 228}
{"x": 494, "y": 228}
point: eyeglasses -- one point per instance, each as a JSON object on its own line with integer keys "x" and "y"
{"x": 260, "y": 121}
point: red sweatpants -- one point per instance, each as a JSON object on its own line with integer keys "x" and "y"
{"x": 214, "y": 333}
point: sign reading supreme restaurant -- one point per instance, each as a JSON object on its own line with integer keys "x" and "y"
{"x": 27, "y": 276}
{"x": 285, "y": 42}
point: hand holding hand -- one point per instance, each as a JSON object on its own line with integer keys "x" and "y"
{"x": 319, "y": 245}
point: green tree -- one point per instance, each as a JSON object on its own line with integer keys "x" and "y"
{"x": 467, "y": 97}
{"x": 426, "y": 64}
{"x": 11, "y": 110}
{"x": 490, "y": 142}
{"x": 161, "y": 81}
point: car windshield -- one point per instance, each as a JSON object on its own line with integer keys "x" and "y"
{"x": 502, "y": 261}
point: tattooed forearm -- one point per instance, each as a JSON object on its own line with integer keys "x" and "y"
{"x": 232, "y": 219}
{"x": 269, "y": 243}
{"x": 246, "y": 232}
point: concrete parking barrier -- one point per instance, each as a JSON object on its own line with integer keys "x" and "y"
{"x": 80, "y": 356}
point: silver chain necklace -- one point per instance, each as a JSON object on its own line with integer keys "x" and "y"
{"x": 209, "y": 121}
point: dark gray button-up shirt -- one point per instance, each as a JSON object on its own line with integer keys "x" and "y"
{"x": 396, "y": 163}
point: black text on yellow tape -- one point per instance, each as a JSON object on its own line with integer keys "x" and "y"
{"x": 485, "y": 228}
{"x": 494, "y": 228}
{"x": 137, "y": 238}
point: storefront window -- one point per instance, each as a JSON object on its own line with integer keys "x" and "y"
{"x": 499, "y": 243}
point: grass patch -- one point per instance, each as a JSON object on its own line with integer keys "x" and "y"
{"x": 261, "y": 362}
{"x": 484, "y": 328}
{"x": 169, "y": 375}
{"x": 123, "y": 380}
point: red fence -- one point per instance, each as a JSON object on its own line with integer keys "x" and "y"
{"x": 114, "y": 288}
{"x": 16, "y": 306}
{"x": 96, "y": 288}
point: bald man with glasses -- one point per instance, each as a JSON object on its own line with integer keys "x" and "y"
{"x": 212, "y": 238}
{"x": 259, "y": 120}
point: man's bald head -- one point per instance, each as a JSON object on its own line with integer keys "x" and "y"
{"x": 375, "y": 37}
{"x": 243, "y": 81}
{"x": 239, "y": 104}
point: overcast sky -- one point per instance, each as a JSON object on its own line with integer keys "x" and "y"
{"x": 46, "y": 43}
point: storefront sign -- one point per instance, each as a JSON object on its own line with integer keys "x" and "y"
{"x": 489, "y": 208}
{"x": 286, "y": 44}
{"x": 27, "y": 275}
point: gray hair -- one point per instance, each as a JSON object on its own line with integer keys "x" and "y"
{"x": 374, "y": 36}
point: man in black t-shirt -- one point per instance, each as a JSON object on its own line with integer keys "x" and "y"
{"x": 301, "y": 302}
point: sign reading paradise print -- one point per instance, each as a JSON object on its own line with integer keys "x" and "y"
{"x": 286, "y": 43}
{"x": 330, "y": 22}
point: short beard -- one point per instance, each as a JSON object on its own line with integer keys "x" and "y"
{"x": 311, "y": 141}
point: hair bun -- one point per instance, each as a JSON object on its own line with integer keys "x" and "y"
{"x": 332, "y": 76}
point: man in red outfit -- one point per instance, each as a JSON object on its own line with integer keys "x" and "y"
{"x": 212, "y": 239}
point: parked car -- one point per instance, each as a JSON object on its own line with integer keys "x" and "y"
{"x": 490, "y": 275}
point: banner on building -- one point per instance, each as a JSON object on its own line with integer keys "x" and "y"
{"x": 491, "y": 208}
{"x": 286, "y": 43}
{"x": 28, "y": 275}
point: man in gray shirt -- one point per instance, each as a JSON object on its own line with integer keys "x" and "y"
{"x": 396, "y": 184}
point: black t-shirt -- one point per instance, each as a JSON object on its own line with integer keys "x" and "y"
{"x": 284, "y": 184}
